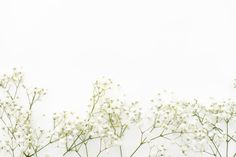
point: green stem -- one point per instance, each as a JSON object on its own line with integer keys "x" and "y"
{"x": 86, "y": 149}
{"x": 227, "y": 138}
{"x": 217, "y": 149}
{"x": 137, "y": 149}
{"x": 121, "y": 153}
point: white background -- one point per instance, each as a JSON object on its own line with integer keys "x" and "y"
{"x": 184, "y": 46}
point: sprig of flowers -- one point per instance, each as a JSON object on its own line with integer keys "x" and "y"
{"x": 208, "y": 129}
{"x": 20, "y": 136}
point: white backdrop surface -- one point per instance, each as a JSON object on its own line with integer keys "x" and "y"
{"x": 183, "y": 46}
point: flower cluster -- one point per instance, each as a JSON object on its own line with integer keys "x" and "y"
{"x": 19, "y": 136}
{"x": 107, "y": 120}
{"x": 212, "y": 134}
{"x": 191, "y": 126}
